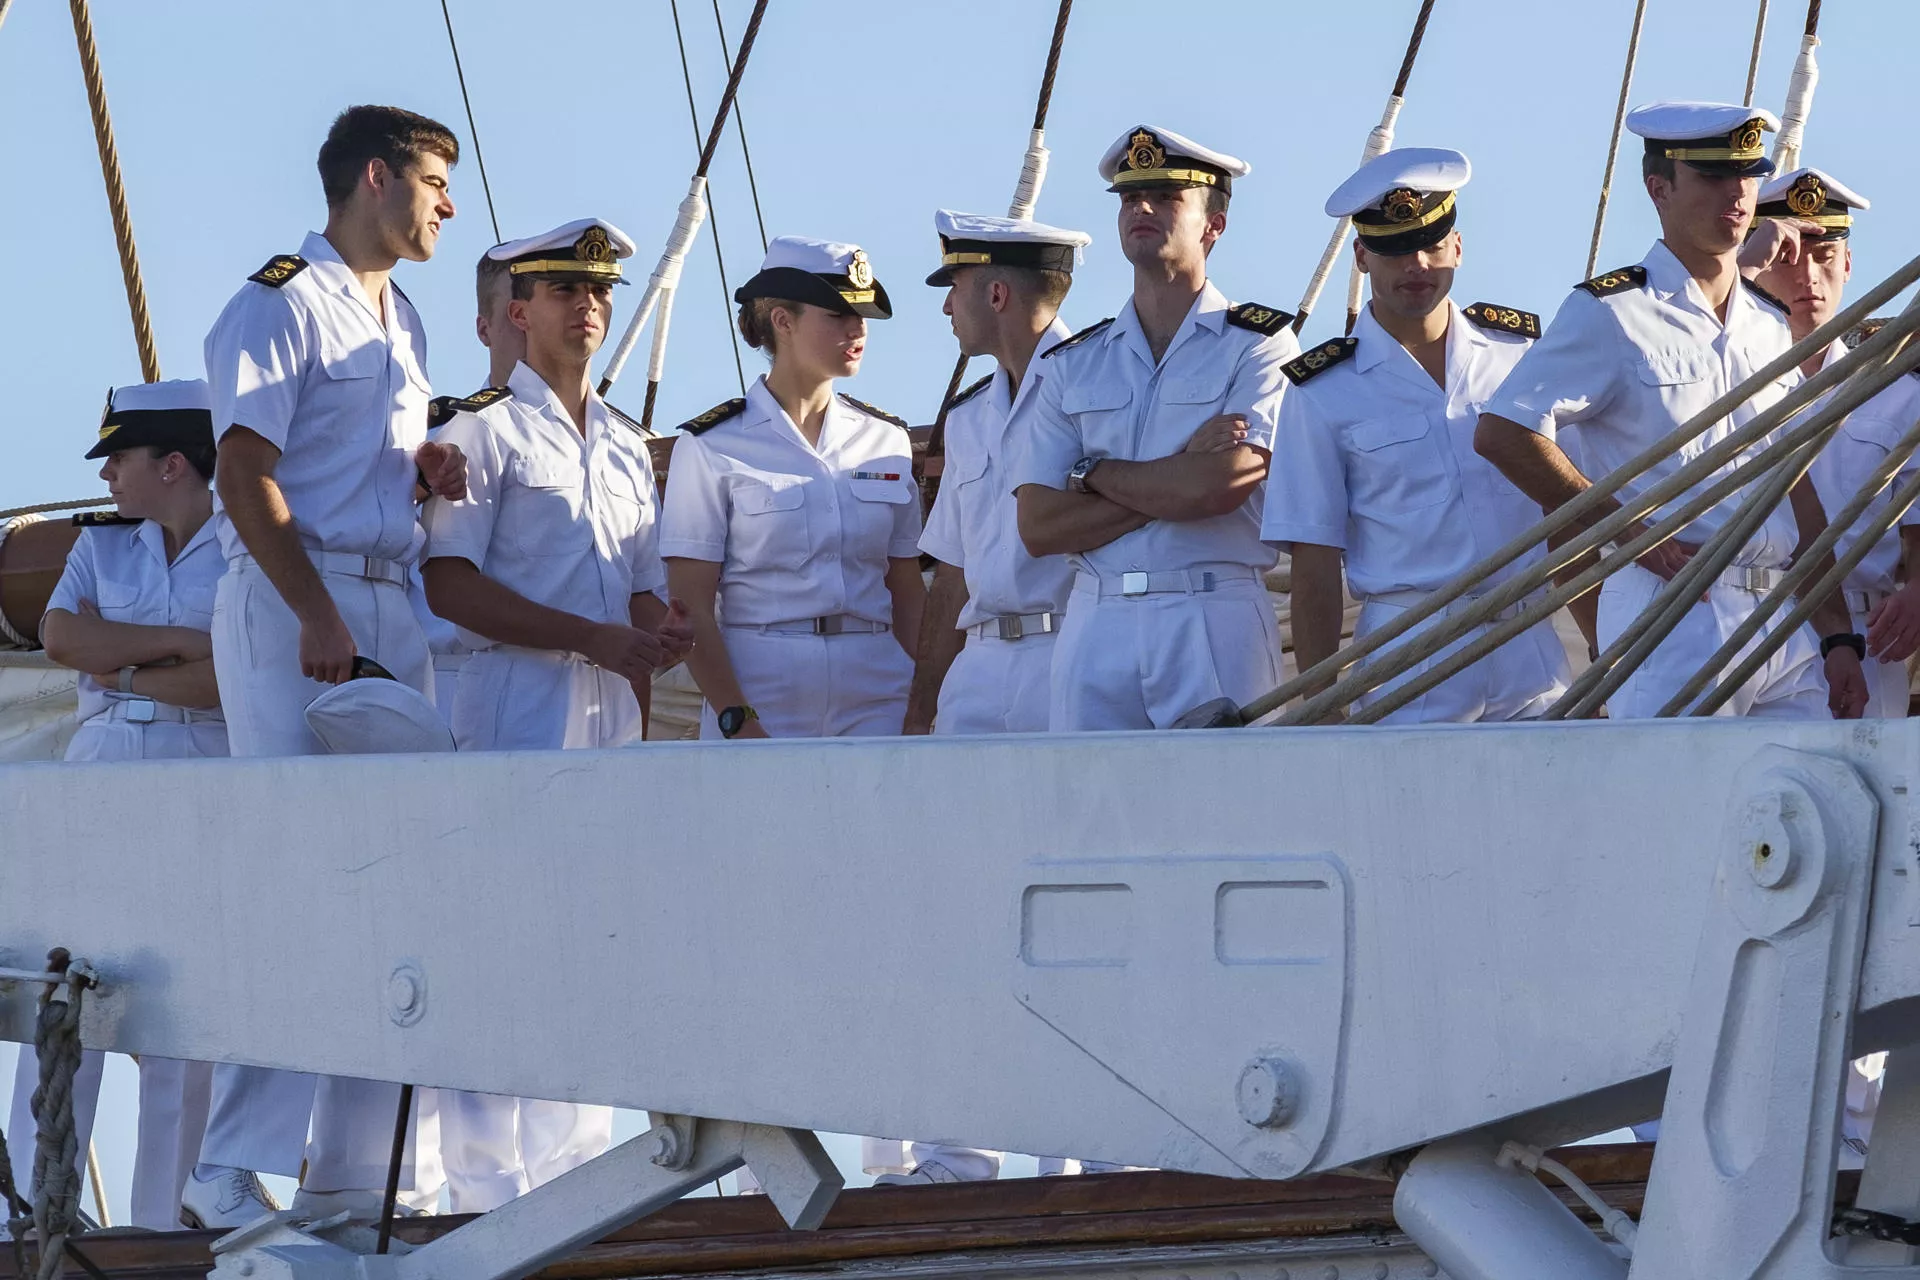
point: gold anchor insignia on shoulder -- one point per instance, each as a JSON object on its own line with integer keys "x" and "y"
{"x": 1808, "y": 195}
{"x": 1144, "y": 151}
{"x": 279, "y": 270}
{"x": 1321, "y": 358}
{"x": 1618, "y": 280}
{"x": 860, "y": 271}
{"x": 1504, "y": 319}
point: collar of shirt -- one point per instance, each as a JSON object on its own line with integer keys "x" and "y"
{"x": 531, "y": 391}
{"x": 1209, "y": 311}
{"x": 153, "y": 537}
{"x": 1055, "y": 333}
{"x": 330, "y": 271}
{"x": 1378, "y": 347}
{"x": 1672, "y": 281}
{"x": 765, "y": 412}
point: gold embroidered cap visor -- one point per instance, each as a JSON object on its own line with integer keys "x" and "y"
{"x": 1424, "y": 220}
{"x": 956, "y": 253}
{"x": 548, "y": 268}
{"x": 836, "y": 293}
{"x": 1178, "y": 171}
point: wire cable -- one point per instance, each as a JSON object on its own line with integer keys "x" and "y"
{"x": 1613, "y": 146}
{"x": 1753, "y": 63}
{"x": 746, "y": 153}
{"x": 713, "y": 216}
{"x": 472, "y": 128}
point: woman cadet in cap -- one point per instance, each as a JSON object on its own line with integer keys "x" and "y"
{"x": 132, "y": 613}
{"x": 795, "y": 509}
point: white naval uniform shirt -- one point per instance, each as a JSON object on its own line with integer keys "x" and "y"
{"x": 123, "y": 570}
{"x": 566, "y": 520}
{"x": 1630, "y": 367}
{"x": 1104, "y": 397}
{"x": 1373, "y": 457}
{"x": 801, "y": 532}
{"x": 310, "y": 367}
{"x": 974, "y": 524}
{"x": 1860, "y": 445}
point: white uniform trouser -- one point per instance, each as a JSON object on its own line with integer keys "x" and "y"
{"x": 173, "y": 1094}
{"x": 509, "y": 699}
{"x": 1142, "y": 662}
{"x": 852, "y": 685}
{"x": 1887, "y": 684}
{"x": 1792, "y": 684}
{"x": 258, "y": 1118}
{"x": 998, "y": 686}
{"x": 1517, "y": 681}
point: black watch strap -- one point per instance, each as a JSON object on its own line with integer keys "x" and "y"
{"x": 732, "y": 720}
{"x": 1844, "y": 640}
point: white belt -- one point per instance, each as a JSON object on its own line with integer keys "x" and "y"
{"x": 833, "y": 624}
{"x": 1413, "y": 596}
{"x": 368, "y": 567}
{"x": 1017, "y": 626}
{"x": 1195, "y": 581}
{"x": 1747, "y": 577}
{"x": 147, "y": 711}
{"x": 1861, "y": 603}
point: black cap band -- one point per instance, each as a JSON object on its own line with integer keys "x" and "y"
{"x": 835, "y": 293}
{"x": 1030, "y": 254}
{"x": 153, "y": 428}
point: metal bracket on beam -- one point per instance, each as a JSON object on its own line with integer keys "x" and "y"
{"x": 582, "y": 1205}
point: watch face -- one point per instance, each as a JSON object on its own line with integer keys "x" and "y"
{"x": 731, "y": 719}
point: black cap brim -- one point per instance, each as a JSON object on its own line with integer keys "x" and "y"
{"x": 791, "y": 284}
{"x": 168, "y": 429}
{"x": 1761, "y": 168}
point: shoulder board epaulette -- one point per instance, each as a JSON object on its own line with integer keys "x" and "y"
{"x": 970, "y": 392}
{"x": 94, "y": 519}
{"x": 1078, "y": 338}
{"x": 1764, "y": 296}
{"x": 440, "y": 409}
{"x": 1501, "y": 319}
{"x": 280, "y": 270}
{"x": 1266, "y": 320}
{"x": 628, "y": 420}
{"x": 1319, "y": 360}
{"x": 714, "y": 416}
{"x": 1618, "y": 280}
{"x": 882, "y": 414}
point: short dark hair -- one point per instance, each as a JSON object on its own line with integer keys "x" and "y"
{"x": 393, "y": 134}
{"x": 1042, "y": 285}
{"x": 1218, "y": 198}
{"x": 199, "y": 456}
{"x": 487, "y": 275}
{"x": 1657, "y": 164}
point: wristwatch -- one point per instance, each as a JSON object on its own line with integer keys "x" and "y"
{"x": 1844, "y": 640}
{"x": 1077, "y": 477}
{"x": 734, "y": 719}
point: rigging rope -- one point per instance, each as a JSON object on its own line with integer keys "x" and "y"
{"x": 1753, "y": 63}
{"x": 657, "y": 366}
{"x": 1026, "y": 195}
{"x": 56, "y": 1148}
{"x": 692, "y": 212}
{"x": 1378, "y": 140}
{"x": 472, "y": 128}
{"x": 1613, "y": 146}
{"x": 1799, "y": 104}
{"x": 116, "y": 191}
{"x": 746, "y": 153}
{"x": 4, "y": 6}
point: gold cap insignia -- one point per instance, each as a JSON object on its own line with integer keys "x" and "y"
{"x": 1145, "y": 152}
{"x": 1808, "y": 195}
{"x": 860, "y": 271}
{"x": 1401, "y": 205}
{"x": 593, "y": 246}
{"x": 106, "y": 413}
{"x": 1747, "y": 136}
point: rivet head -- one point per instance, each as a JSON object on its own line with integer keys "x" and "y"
{"x": 1268, "y": 1093}
{"x": 406, "y": 994}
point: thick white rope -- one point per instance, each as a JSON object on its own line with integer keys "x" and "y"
{"x": 1033, "y": 172}
{"x": 1753, "y": 63}
{"x": 1793, "y": 120}
{"x": 662, "y": 321}
{"x": 13, "y": 638}
{"x": 693, "y": 212}
{"x": 1377, "y": 141}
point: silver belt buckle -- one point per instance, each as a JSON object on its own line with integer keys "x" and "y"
{"x": 140, "y": 710}
{"x": 1133, "y": 584}
{"x": 831, "y": 625}
{"x": 1011, "y": 627}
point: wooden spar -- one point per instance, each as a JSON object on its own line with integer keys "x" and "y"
{"x": 1025, "y": 196}
{"x": 1378, "y": 140}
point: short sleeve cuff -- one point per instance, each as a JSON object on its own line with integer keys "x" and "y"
{"x": 904, "y": 549}
{"x": 1539, "y": 423}
{"x": 940, "y": 548}
{"x": 1320, "y": 535}
{"x": 693, "y": 549}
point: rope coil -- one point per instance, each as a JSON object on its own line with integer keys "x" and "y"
{"x": 1033, "y": 173}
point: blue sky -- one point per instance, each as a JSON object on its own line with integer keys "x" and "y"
{"x": 864, "y": 116}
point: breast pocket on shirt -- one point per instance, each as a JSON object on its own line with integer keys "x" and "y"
{"x": 117, "y": 599}
{"x": 542, "y": 514}
{"x": 629, "y": 510}
{"x": 769, "y": 525}
{"x": 195, "y": 605}
{"x": 1682, "y": 381}
{"x": 877, "y": 504}
{"x": 1103, "y": 414}
{"x": 1398, "y": 463}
